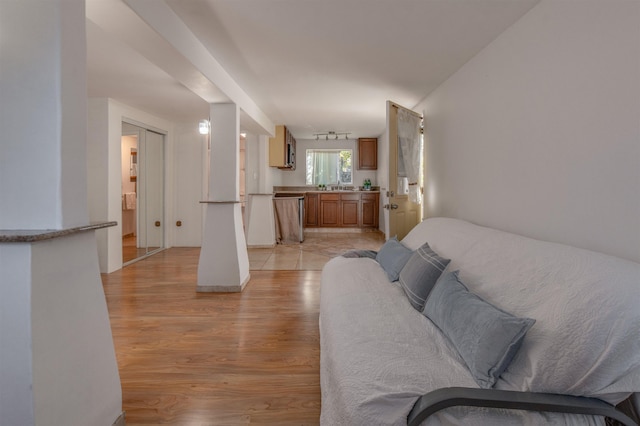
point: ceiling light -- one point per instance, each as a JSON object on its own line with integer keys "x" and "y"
{"x": 334, "y": 135}
{"x": 204, "y": 127}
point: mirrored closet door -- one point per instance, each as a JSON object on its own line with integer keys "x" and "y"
{"x": 142, "y": 192}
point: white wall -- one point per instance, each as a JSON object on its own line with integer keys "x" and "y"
{"x": 98, "y": 160}
{"x": 260, "y": 178}
{"x": 252, "y": 164}
{"x": 190, "y": 153}
{"x": 539, "y": 134}
{"x": 105, "y": 118}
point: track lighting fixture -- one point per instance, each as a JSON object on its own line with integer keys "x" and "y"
{"x": 334, "y": 135}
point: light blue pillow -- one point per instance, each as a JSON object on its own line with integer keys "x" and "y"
{"x": 420, "y": 274}
{"x": 392, "y": 257}
{"x": 486, "y": 337}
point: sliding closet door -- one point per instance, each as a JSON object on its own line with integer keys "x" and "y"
{"x": 149, "y": 192}
{"x": 154, "y": 191}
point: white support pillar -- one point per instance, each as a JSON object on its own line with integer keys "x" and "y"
{"x": 57, "y": 359}
{"x": 261, "y": 231}
{"x": 224, "y": 262}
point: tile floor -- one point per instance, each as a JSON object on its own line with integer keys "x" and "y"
{"x": 316, "y": 250}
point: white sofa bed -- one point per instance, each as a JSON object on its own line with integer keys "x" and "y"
{"x": 579, "y": 313}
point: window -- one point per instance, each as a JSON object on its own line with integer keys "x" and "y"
{"x": 329, "y": 166}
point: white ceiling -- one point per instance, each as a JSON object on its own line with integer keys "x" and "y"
{"x": 314, "y": 65}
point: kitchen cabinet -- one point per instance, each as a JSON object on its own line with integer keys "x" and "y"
{"x": 370, "y": 210}
{"x": 340, "y": 209}
{"x": 349, "y": 209}
{"x": 368, "y": 154}
{"x": 330, "y": 209}
{"x": 282, "y": 149}
{"x": 311, "y": 209}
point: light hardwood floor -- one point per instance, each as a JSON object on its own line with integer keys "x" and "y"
{"x": 188, "y": 358}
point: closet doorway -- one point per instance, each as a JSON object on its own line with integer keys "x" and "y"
{"x": 142, "y": 192}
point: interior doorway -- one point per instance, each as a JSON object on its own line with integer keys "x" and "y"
{"x": 404, "y": 212}
{"x": 142, "y": 192}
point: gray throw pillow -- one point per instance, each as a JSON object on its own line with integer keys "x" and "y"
{"x": 392, "y": 257}
{"x": 486, "y": 337}
{"x": 420, "y": 274}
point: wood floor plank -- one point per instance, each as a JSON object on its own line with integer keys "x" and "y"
{"x": 188, "y": 358}
{"x": 250, "y": 358}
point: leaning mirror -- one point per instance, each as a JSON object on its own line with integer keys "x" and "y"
{"x": 329, "y": 166}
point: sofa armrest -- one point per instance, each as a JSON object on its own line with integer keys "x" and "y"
{"x": 439, "y": 399}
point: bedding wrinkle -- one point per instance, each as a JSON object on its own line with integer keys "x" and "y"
{"x": 587, "y": 301}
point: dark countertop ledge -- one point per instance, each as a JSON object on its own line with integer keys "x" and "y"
{"x": 315, "y": 191}
{"x": 35, "y": 235}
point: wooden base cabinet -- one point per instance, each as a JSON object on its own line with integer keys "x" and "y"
{"x": 311, "y": 210}
{"x": 370, "y": 211}
{"x": 329, "y": 210}
{"x": 336, "y": 209}
{"x": 349, "y": 210}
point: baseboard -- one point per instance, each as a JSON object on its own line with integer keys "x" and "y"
{"x": 267, "y": 246}
{"x": 340, "y": 230}
{"x": 223, "y": 288}
{"x": 120, "y": 421}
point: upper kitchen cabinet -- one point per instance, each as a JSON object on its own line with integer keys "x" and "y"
{"x": 368, "y": 154}
{"x": 282, "y": 149}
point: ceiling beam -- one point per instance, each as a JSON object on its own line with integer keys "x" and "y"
{"x": 168, "y": 43}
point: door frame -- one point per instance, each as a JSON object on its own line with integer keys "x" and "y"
{"x": 406, "y": 215}
{"x": 143, "y": 128}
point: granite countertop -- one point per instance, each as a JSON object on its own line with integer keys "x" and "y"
{"x": 314, "y": 190}
{"x": 34, "y": 235}
{"x": 364, "y": 191}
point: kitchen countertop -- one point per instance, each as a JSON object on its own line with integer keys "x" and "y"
{"x": 364, "y": 191}
{"x": 35, "y": 235}
{"x": 316, "y": 191}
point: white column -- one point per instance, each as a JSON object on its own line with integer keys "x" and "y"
{"x": 261, "y": 227}
{"x": 57, "y": 360}
{"x": 224, "y": 262}
{"x": 260, "y": 220}
{"x": 265, "y": 177}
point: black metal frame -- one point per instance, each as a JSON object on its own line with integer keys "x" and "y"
{"x": 439, "y": 399}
